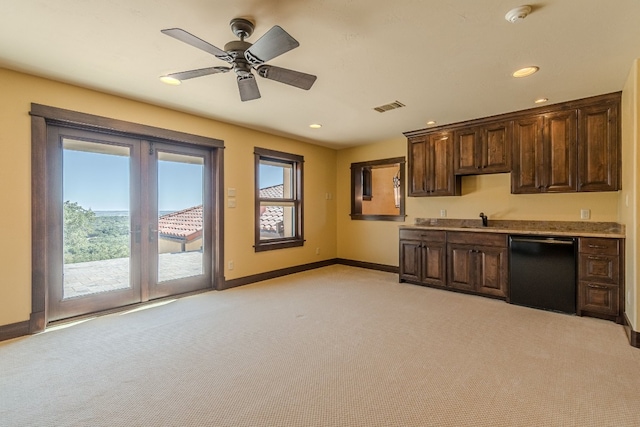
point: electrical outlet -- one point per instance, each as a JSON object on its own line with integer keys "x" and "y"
{"x": 585, "y": 213}
{"x": 231, "y": 202}
{"x": 230, "y": 265}
{"x": 317, "y": 251}
{"x": 443, "y": 213}
{"x": 231, "y": 192}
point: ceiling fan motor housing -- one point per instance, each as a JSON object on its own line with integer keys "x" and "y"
{"x": 236, "y": 50}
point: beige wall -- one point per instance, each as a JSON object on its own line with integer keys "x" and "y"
{"x": 20, "y": 90}
{"x": 629, "y": 214}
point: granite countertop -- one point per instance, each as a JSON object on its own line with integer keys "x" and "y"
{"x": 534, "y": 228}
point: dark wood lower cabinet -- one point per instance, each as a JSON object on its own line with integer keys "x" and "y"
{"x": 600, "y": 278}
{"x": 472, "y": 262}
{"x": 422, "y": 257}
{"x": 479, "y": 263}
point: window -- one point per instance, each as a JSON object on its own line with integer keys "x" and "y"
{"x": 377, "y": 190}
{"x": 278, "y": 216}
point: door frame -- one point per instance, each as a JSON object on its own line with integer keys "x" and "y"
{"x": 43, "y": 155}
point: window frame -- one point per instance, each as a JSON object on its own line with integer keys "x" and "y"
{"x": 296, "y": 162}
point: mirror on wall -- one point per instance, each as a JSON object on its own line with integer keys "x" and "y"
{"x": 377, "y": 190}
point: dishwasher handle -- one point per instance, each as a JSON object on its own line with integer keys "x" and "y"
{"x": 546, "y": 241}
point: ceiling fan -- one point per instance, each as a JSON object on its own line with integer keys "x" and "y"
{"x": 245, "y": 57}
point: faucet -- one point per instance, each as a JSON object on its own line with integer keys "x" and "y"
{"x": 484, "y": 219}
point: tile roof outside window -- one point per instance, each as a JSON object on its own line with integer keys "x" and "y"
{"x": 185, "y": 224}
{"x": 272, "y": 215}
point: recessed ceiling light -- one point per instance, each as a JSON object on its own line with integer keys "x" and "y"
{"x": 431, "y": 123}
{"x": 541, "y": 100}
{"x": 170, "y": 80}
{"x": 315, "y": 126}
{"x": 525, "y": 72}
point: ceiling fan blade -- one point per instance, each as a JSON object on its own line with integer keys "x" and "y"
{"x": 186, "y": 75}
{"x": 188, "y": 38}
{"x": 273, "y": 43}
{"x": 248, "y": 88}
{"x": 286, "y": 76}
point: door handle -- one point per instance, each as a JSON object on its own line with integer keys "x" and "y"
{"x": 152, "y": 233}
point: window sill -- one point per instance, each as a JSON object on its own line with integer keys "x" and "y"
{"x": 280, "y": 244}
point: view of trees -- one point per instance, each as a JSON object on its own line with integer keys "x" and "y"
{"x": 88, "y": 237}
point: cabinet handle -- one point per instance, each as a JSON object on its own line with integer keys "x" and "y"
{"x": 591, "y": 285}
{"x": 596, "y": 257}
{"x": 597, "y": 246}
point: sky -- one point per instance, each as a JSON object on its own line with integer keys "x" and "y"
{"x": 100, "y": 182}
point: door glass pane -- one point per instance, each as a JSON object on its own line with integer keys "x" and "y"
{"x": 96, "y": 218}
{"x": 180, "y": 216}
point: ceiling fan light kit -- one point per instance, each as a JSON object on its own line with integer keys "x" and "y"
{"x": 245, "y": 57}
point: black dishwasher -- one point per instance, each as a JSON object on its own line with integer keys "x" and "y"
{"x": 542, "y": 272}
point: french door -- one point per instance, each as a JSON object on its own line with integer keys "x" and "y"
{"x": 130, "y": 220}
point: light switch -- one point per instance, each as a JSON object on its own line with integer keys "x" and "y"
{"x": 231, "y": 202}
{"x": 231, "y": 192}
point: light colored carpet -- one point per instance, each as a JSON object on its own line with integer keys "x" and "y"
{"x": 337, "y": 346}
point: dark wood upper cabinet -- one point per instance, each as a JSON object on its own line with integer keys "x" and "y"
{"x": 483, "y": 149}
{"x": 567, "y": 147}
{"x": 431, "y": 165}
{"x": 599, "y": 148}
{"x": 545, "y": 153}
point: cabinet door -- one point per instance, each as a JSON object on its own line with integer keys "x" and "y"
{"x": 418, "y": 171}
{"x": 410, "y": 260}
{"x": 492, "y": 270}
{"x": 443, "y": 181}
{"x": 466, "y": 146}
{"x": 527, "y": 155}
{"x": 495, "y": 151}
{"x": 559, "y": 152}
{"x": 598, "y": 153}
{"x": 462, "y": 270}
{"x": 434, "y": 263}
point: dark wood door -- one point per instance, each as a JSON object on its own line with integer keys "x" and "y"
{"x": 411, "y": 260}
{"x": 461, "y": 267}
{"x": 467, "y": 145}
{"x": 599, "y": 149}
{"x": 443, "y": 180}
{"x": 527, "y": 155}
{"x": 495, "y": 148}
{"x": 418, "y": 166}
{"x": 434, "y": 263}
{"x": 558, "y": 168}
{"x": 492, "y": 270}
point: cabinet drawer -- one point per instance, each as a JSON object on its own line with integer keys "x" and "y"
{"x": 425, "y": 235}
{"x": 591, "y": 245}
{"x": 599, "y": 298}
{"x": 599, "y": 268}
{"x": 475, "y": 238}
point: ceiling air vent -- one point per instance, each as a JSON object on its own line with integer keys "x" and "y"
{"x": 391, "y": 106}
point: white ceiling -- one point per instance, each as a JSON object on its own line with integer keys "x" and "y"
{"x": 446, "y": 60}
